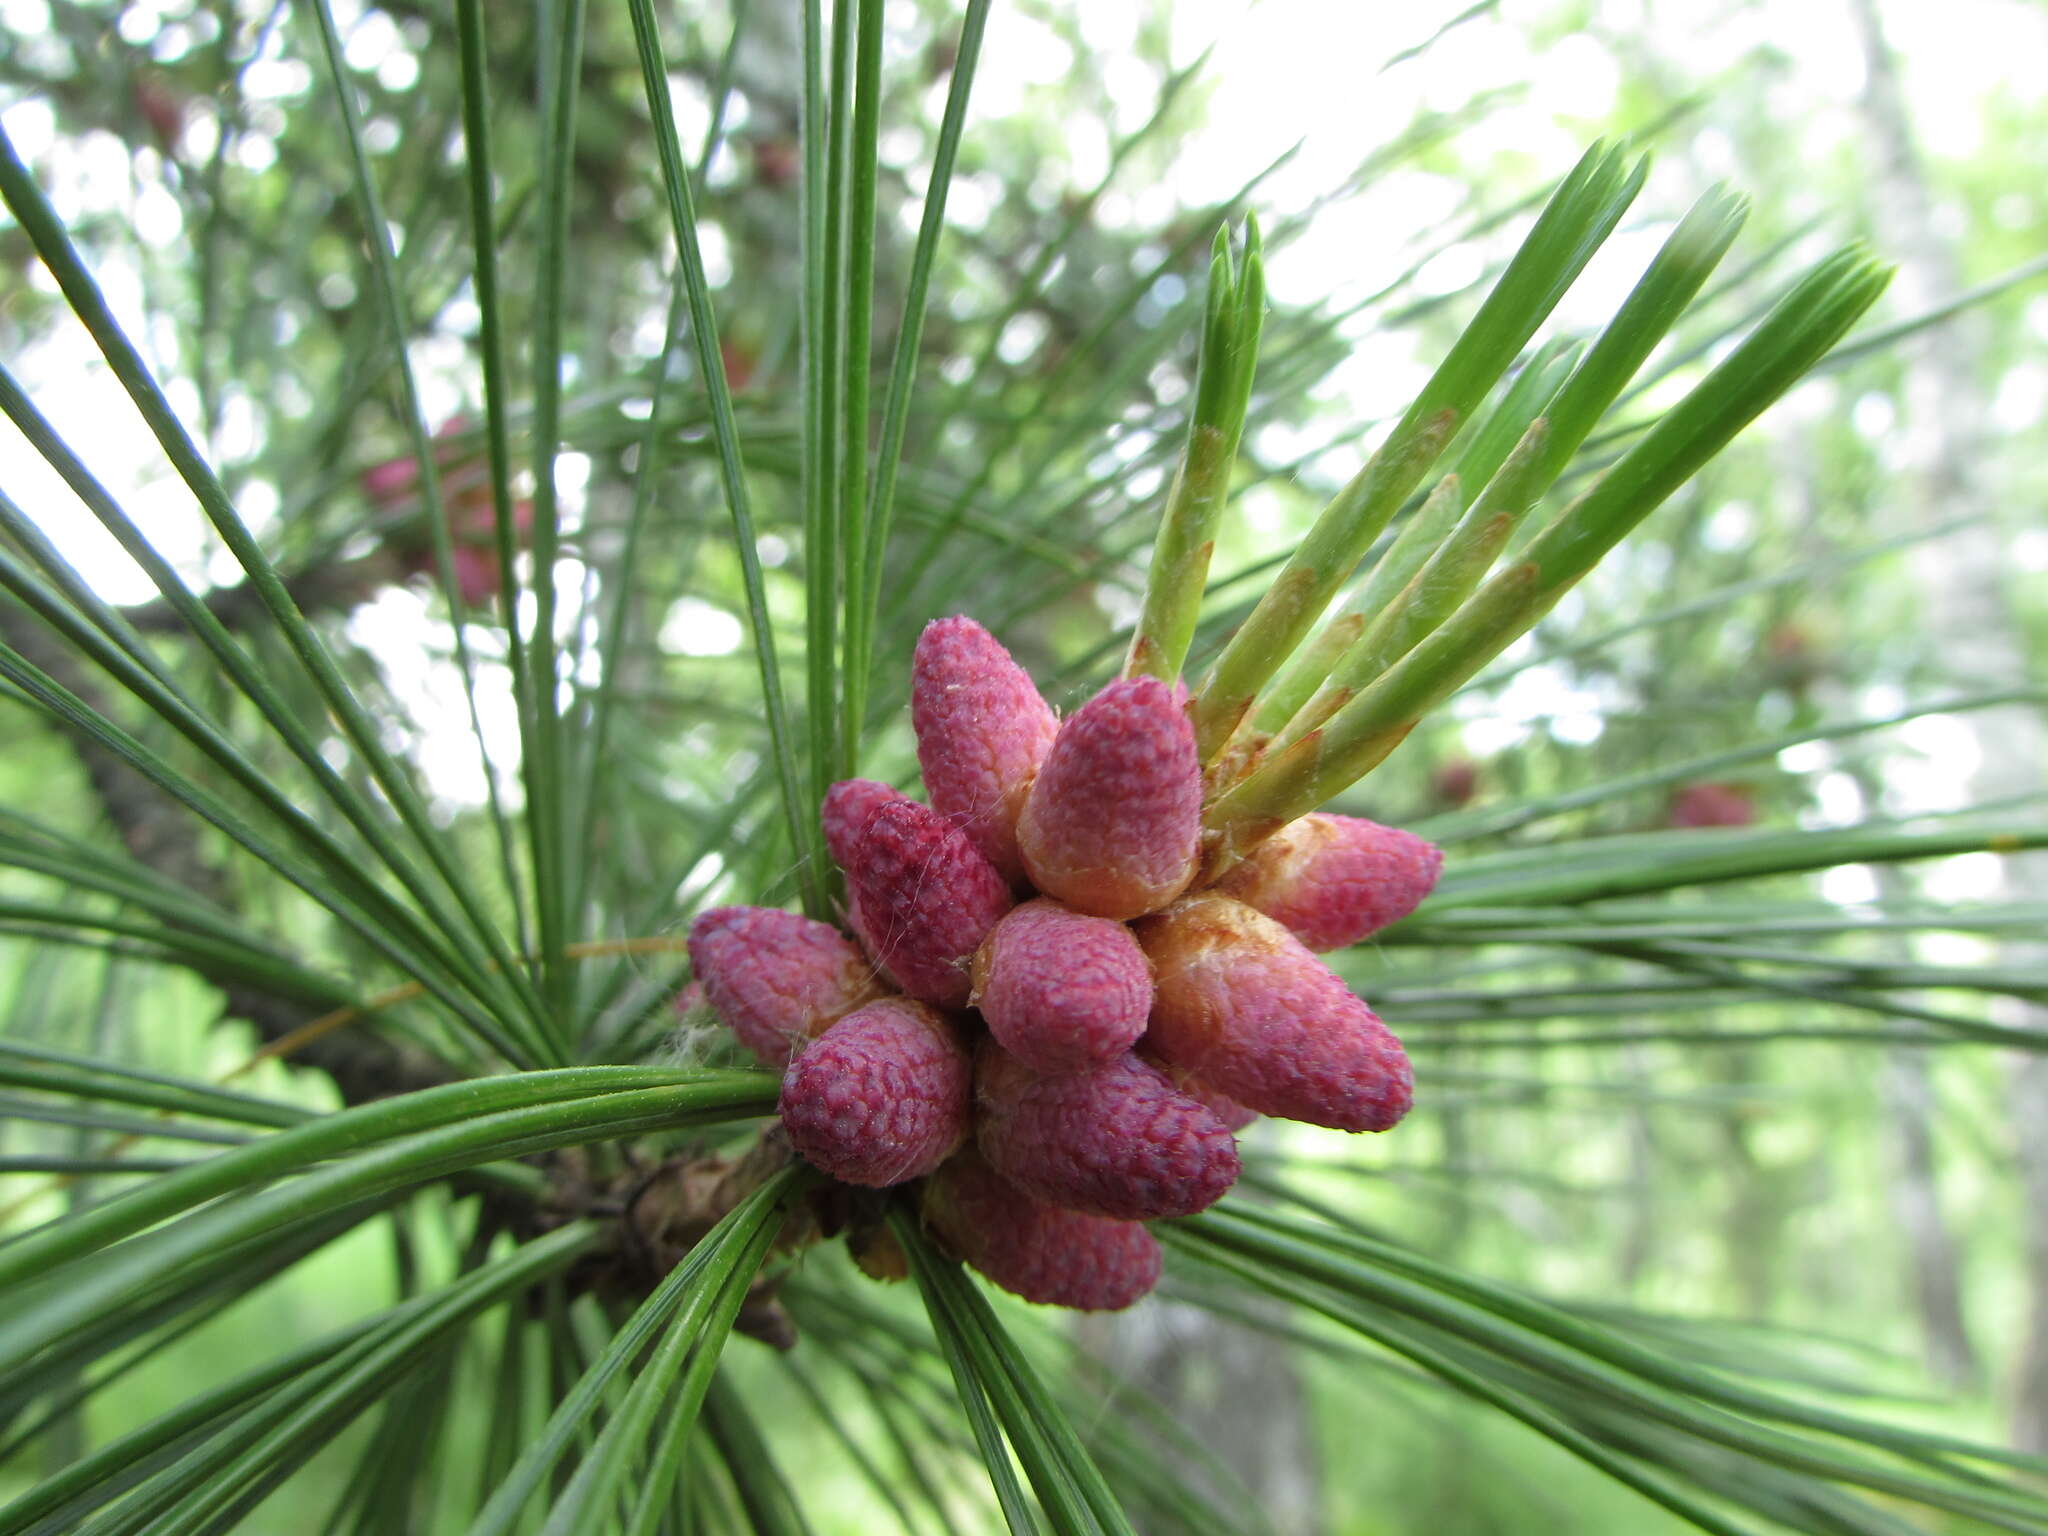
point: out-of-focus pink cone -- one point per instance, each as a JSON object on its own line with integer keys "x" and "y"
{"x": 880, "y": 1097}
{"x": 1243, "y": 1004}
{"x": 982, "y": 730}
{"x": 1334, "y": 879}
{"x": 1113, "y": 1141}
{"x": 396, "y": 480}
{"x": 476, "y": 575}
{"x": 1711, "y": 805}
{"x": 1060, "y": 989}
{"x": 391, "y": 480}
{"x": 1035, "y": 1250}
{"x": 848, "y": 805}
{"x": 1455, "y": 782}
{"x": 473, "y": 524}
{"x": 923, "y": 899}
{"x": 1113, "y": 819}
{"x": 775, "y": 977}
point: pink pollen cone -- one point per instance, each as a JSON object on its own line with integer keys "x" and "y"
{"x": 923, "y": 899}
{"x": 1113, "y": 1141}
{"x": 775, "y": 977}
{"x": 1242, "y": 1004}
{"x": 396, "y": 480}
{"x": 1113, "y": 819}
{"x": 476, "y": 575}
{"x": 1334, "y": 879}
{"x": 982, "y": 730}
{"x": 880, "y": 1097}
{"x": 1060, "y": 989}
{"x": 848, "y": 805}
{"x": 1038, "y": 1251}
{"x": 1235, "y": 1116}
{"x": 1711, "y": 805}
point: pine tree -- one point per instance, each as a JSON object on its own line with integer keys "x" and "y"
{"x": 622, "y": 1300}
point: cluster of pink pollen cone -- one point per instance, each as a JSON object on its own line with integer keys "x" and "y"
{"x": 1035, "y": 1014}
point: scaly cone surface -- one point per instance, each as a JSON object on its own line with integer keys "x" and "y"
{"x": 1040, "y": 1252}
{"x": 880, "y": 1097}
{"x": 777, "y": 978}
{"x": 848, "y": 805}
{"x": 1333, "y": 880}
{"x": 982, "y": 730}
{"x": 1246, "y": 1007}
{"x": 1113, "y": 820}
{"x": 922, "y": 899}
{"x": 1060, "y": 989}
{"x": 1115, "y": 1140}
{"x": 1235, "y": 1116}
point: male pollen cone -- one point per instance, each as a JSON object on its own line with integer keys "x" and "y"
{"x": 1114, "y": 818}
{"x": 880, "y": 1097}
{"x": 1241, "y": 1003}
{"x": 777, "y": 978}
{"x": 1060, "y": 989}
{"x": 848, "y": 805}
{"x": 982, "y": 730}
{"x": 1034, "y": 1250}
{"x": 923, "y": 899}
{"x": 1114, "y": 1141}
{"x": 1235, "y": 1116}
{"x": 1334, "y": 879}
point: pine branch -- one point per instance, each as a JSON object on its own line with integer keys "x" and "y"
{"x": 159, "y": 833}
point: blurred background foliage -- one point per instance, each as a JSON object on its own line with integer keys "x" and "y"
{"x": 1776, "y": 1122}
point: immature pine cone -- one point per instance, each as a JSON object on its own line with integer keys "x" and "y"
{"x": 922, "y": 899}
